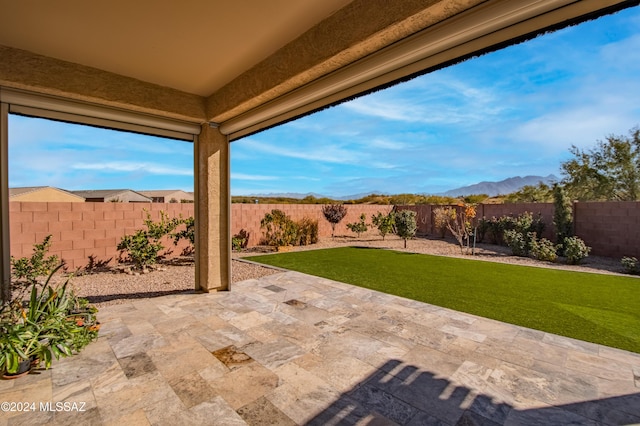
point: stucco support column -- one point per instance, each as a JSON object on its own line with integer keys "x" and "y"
{"x": 5, "y": 259}
{"x": 212, "y": 211}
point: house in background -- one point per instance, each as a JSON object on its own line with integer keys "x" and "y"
{"x": 44, "y": 194}
{"x": 112, "y": 196}
{"x": 169, "y": 196}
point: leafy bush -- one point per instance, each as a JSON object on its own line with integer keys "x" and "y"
{"x": 575, "y": 250}
{"x": 406, "y": 225}
{"x": 143, "y": 246}
{"x": 360, "y": 226}
{"x": 27, "y": 270}
{"x": 521, "y": 234}
{"x": 307, "y": 231}
{"x": 384, "y": 223}
{"x": 240, "y": 240}
{"x": 543, "y": 249}
{"x": 188, "y": 233}
{"x": 630, "y": 265}
{"x": 280, "y": 230}
{"x": 334, "y": 213}
{"x": 518, "y": 242}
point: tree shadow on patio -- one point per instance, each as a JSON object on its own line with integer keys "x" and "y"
{"x": 407, "y": 396}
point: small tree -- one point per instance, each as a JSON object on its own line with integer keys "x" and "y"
{"x": 384, "y": 223}
{"x": 562, "y": 215}
{"x": 360, "y": 226}
{"x": 460, "y": 225}
{"x": 406, "y": 225}
{"x": 334, "y": 213}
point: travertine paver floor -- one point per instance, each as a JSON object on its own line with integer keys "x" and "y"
{"x": 292, "y": 349}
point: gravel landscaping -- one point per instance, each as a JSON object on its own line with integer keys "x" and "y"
{"x": 109, "y": 287}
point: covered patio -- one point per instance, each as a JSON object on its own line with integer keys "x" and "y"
{"x": 287, "y": 348}
{"x": 292, "y": 349}
{"x": 213, "y": 72}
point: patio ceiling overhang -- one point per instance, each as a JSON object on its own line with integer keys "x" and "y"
{"x": 247, "y": 67}
{"x": 220, "y": 70}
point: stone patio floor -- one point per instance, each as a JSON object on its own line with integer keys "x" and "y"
{"x": 292, "y": 349}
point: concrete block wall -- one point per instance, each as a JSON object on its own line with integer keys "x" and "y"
{"x": 248, "y": 217}
{"x": 609, "y": 227}
{"x": 80, "y": 230}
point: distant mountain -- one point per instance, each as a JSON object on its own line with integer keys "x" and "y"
{"x": 502, "y": 187}
{"x": 300, "y": 196}
{"x": 296, "y": 195}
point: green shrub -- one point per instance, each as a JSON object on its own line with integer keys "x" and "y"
{"x": 543, "y": 249}
{"x": 384, "y": 223}
{"x": 142, "y": 248}
{"x": 360, "y": 226}
{"x": 562, "y": 215}
{"x": 307, "y": 231}
{"x": 575, "y": 250}
{"x": 406, "y": 225}
{"x": 27, "y": 270}
{"x": 240, "y": 240}
{"x": 630, "y": 265}
{"x": 280, "y": 230}
{"x": 518, "y": 242}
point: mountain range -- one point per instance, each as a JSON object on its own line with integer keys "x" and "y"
{"x": 502, "y": 187}
{"x": 492, "y": 189}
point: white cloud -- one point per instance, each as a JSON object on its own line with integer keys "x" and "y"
{"x": 126, "y": 166}
{"x": 245, "y": 176}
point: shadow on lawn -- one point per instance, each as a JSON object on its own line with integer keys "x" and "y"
{"x": 407, "y": 396}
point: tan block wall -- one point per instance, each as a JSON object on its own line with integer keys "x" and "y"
{"x": 609, "y": 227}
{"x": 80, "y": 230}
{"x": 248, "y": 217}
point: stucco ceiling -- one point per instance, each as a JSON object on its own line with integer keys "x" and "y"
{"x": 218, "y": 39}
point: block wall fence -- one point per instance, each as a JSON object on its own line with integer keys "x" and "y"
{"x": 80, "y": 230}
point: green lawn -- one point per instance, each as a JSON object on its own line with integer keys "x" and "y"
{"x": 597, "y": 308}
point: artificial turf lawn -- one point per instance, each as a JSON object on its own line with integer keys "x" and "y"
{"x": 597, "y": 308}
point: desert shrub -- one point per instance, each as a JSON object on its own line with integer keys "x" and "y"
{"x": 384, "y": 223}
{"x": 28, "y": 270}
{"x": 406, "y": 225}
{"x": 189, "y": 231}
{"x": 518, "y": 242}
{"x": 630, "y": 265}
{"x": 142, "y": 248}
{"x": 307, "y": 231}
{"x": 360, "y": 226}
{"x": 441, "y": 218}
{"x": 575, "y": 250}
{"x": 543, "y": 249}
{"x": 240, "y": 240}
{"x": 334, "y": 213}
{"x": 280, "y": 230}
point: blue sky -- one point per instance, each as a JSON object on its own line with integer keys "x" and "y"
{"x": 514, "y": 112}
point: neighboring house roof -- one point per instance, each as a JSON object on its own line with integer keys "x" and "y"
{"x": 123, "y": 195}
{"x": 42, "y": 193}
{"x": 167, "y": 194}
